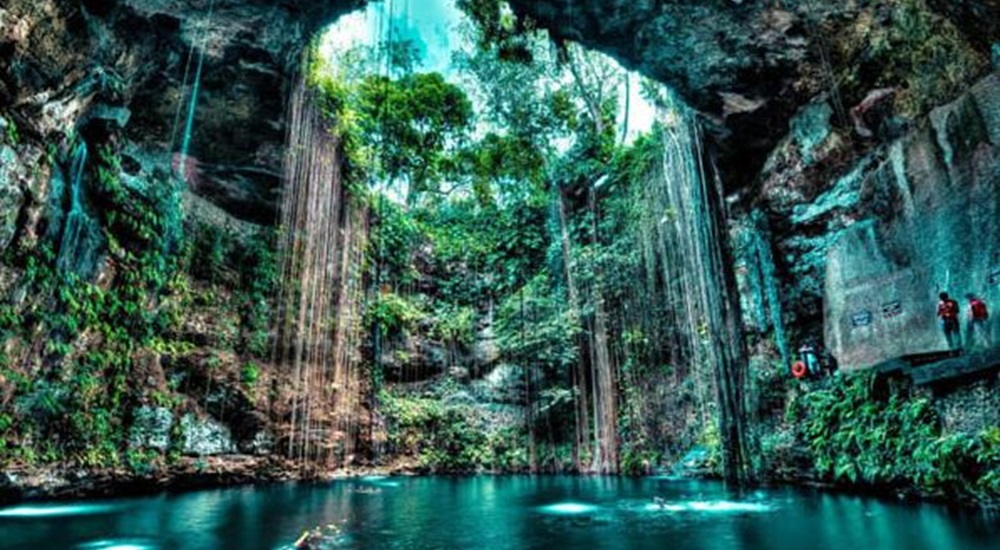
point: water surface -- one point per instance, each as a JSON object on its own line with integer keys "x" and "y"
{"x": 497, "y": 513}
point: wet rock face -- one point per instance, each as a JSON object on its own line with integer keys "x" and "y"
{"x": 205, "y": 437}
{"x": 864, "y": 241}
{"x": 11, "y": 196}
{"x": 60, "y": 59}
{"x": 24, "y": 179}
{"x": 151, "y": 428}
{"x": 930, "y": 216}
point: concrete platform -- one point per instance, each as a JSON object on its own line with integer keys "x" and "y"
{"x": 944, "y": 366}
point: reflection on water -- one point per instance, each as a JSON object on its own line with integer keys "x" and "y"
{"x": 119, "y": 544}
{"x": 568, "y": 508}
{"x": 496, "y": 513}
{"x": 698, "y": 506}
{"x": 55, "y": 511}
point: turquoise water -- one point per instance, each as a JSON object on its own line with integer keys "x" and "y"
{"x": 497, "y": 513}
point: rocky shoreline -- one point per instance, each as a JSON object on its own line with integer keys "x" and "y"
{"x": 24, "y": 484}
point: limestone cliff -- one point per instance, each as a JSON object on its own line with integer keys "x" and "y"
{"x": 66, "y": 63}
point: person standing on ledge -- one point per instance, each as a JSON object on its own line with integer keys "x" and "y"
{"x": 947, "y": 313}
{"x": 978, "y": 321}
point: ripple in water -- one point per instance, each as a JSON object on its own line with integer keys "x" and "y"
{"x": 56, "y": 511}
{"x": 569, "y": 508}
{"x": 706, "y": 506}
{"x": 724, "y": 506}
{"x": 119, "y": 544}
{"x": 380, "y": 481}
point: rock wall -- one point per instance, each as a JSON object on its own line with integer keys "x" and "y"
{"x": 860, "y": 226}
{"x": 64, "y": 62}
{"x": 747, "y": 65}
{"x": 122, "y": 76}
{"x": 928, "y": 221}
{"x": 971, "y": 408}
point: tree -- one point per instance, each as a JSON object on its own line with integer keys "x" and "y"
{"x": 415, "y": 122}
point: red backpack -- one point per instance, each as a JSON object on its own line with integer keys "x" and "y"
{"x": 948, "y": 309}
{"x": 978, "y": 310}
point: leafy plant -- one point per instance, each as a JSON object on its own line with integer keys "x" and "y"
{"x": 455, "y": 325}
{"x": 916, "y": 50}
{"x": 449, "y": 438}
{"x": 211, "y": 247}
{"x": 863, "y": 436}
{"x": 250, "y": 374}
{"x": 393, "y": 313}
{"x": 259, "y": 269}
{"x": 11, "y": 133}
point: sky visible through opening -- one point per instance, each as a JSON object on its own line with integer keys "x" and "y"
{"x": 433, "y": 26}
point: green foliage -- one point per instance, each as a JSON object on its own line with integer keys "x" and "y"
{"x": 456, "y": 443}
{"x": 858, "y": 435}
{"x": 11, "y": 134}
{"x": 710, "y": 439}
{"x": 455, "y": 325}
{"x": 142, "y": 462}
{"x": 537, "y": 323}
{"x": 498, "y": 28}
{"x": 250, "y": 374}
{"x": 76, "y": 408}
{"x": 639, "y": 452}
{"x": 147, "y": 222}
{"x": 529, "y": 108}
{"x": 413, "y": 121}
{"x": 336, "y": 95}
{"x": 449, "y": 438}
{"x": 259, "y": 270}
{"x": 79, "y": 415}
{"x": 210, "y": 249}
{"x": 99, "y": 389}
{"x": 480, "y": 252}
{"x": 402, "y": 129}
{"x": 632, "y": 165}
{"x": 393, "y": 313}
{"x": 10, "y": 319}
{"x": 638, "y": 462}
{"x": 247, "y": 266}
{"x": 500, "y": 168}
{"x": 394, "y": 242}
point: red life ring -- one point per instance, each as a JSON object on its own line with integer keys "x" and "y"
{"x": 799, "y": 369}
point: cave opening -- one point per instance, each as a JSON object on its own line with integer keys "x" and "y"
{"x": 271, "y": 241}
{"x": 542, "y": 231}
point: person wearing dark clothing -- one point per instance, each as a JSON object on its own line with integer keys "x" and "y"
{"x": 807, "y": 354}
{"x": 947, "y": 313}
{"x": 979, "y": 319}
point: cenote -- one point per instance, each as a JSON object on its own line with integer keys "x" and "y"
{"x": 550, "y": 247}
{"x": 497, "y": 512}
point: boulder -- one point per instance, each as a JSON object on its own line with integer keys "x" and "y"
{"x": 11, "y": 195}
{"x": 205, "y": 437}
{"x": 151, "y": 428}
